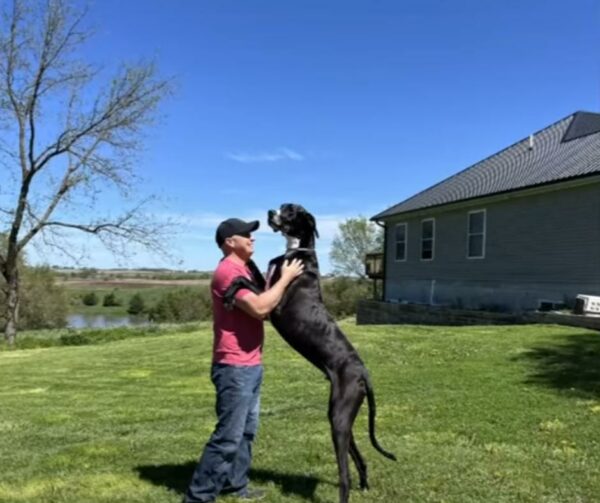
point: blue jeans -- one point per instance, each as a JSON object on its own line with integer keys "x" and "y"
{"x": 225, "y": 462}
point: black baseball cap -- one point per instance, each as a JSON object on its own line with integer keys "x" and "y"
{"x": 233, "y": 226}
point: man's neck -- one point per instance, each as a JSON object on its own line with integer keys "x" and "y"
{"x": 236, "y": 258}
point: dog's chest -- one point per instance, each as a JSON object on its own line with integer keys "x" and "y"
{"x": 274, "y": 271}
{"x": 270, "y": 275}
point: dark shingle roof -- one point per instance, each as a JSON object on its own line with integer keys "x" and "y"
{"x": 569, "y": 148}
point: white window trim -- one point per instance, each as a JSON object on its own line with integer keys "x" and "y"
{"x": 432, "y": 240}
{"x": 484, "y": 211}
{"x": 405, "y": 224}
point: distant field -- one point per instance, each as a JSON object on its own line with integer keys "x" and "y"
{"x": 131, "y": 273}
{"x": 130, "y": 283}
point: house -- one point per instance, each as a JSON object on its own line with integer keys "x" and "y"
{"x": 517, "y": 229}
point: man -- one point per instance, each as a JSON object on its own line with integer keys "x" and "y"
{"x": 237, "y": 367}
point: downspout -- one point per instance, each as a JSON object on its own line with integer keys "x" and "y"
{"x": 383, "y": 293}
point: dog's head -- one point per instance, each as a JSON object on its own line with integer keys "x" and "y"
{"x": 294, "y": 222}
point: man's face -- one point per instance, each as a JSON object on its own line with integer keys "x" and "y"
{"x": 242, "y": 245}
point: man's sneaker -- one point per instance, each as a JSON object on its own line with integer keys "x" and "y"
{"x": 251, "y": 494}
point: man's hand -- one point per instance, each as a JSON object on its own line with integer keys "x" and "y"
{"x": 291, "y": 270}
{"x": 259, "y": 306}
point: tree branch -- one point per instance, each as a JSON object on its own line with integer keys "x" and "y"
{"x": 84, "y": 152}
{"x": 11, "y": 64}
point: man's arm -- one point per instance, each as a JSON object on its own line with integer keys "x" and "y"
{"x": 239, "y": 283}
{"x": 259, "y": 306}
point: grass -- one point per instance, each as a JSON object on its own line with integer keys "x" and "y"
{"x": 35, "y": 339}
{"x": 474, "y": 414}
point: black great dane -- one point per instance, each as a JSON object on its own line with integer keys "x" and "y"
{"x": 303, "y": 321}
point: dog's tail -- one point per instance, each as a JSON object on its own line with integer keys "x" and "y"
{"x": 372, "y": 412}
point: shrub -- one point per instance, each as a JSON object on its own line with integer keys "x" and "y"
{"x": 136, "y": 304}
{"x": 341, "y": 295}
{"x": 44, "y": 304}
{"x": 186, "y": 304}
{"x": 110, "y": 300}
{"x": 90, "y": 299}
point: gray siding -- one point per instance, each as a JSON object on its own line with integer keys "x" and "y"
{"x": 543, "y": 246}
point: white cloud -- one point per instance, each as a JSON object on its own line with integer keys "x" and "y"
{"x": 279, "y": 154}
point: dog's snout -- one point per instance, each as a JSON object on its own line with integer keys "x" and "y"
{"x": 274, "y": 216}
{"x": 273, "y": 220}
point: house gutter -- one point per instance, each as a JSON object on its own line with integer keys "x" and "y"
{"x": 492, "y": 198}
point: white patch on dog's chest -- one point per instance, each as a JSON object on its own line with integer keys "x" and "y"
{"x": 292, "y": 242}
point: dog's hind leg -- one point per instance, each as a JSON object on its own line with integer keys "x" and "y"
{"x": 360, "y": 464}
{"x": 347, "y": 395}
{"x": 341, "y": 434}
{"x": 358, "y": 396}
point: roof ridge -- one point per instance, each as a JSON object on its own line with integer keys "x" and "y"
{"x": 570, "y": 116}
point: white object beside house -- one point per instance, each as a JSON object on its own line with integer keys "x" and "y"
{"x": 588, "y": 304}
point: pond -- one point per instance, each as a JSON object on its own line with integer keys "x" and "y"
{"x": 78, "y": 320}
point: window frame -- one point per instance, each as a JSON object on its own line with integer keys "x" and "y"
{"x": 405, "y": 225}
{"x": 470, "y": 234}
{"x": 432, "y": 238}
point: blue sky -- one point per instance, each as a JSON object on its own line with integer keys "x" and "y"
{"x": 346, "y": 107}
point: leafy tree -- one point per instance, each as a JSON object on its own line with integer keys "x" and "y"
{"x": 356, "y": 238}
{"x": 66, "y": 138}
{"x": 136, "y": 304}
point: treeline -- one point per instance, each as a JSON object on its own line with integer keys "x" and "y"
{"x": 45, "y": 303}
{"x": 341, "y": 296}
{"x": 108, "y": 274}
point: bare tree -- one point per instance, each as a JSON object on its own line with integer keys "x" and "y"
{"x": 66, "y": 140}
{"x": 356, "y": 238}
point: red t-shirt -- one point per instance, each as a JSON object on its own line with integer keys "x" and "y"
{"x": 238, "y": 337}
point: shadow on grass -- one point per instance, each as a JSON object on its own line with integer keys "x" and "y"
{"x": 571, "y": 364}
{"x": 300, "y": 485}
{"x": 173, "y": 477}
{"x": 177, "y": 477}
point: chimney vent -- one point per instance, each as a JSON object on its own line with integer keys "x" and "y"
{"x": 530, "y": 142}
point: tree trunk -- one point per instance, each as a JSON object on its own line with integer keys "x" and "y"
{"x": 12, "y": 305}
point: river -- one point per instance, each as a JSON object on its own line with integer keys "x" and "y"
{"x": 103, "y": 321}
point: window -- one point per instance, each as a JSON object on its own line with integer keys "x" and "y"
{"x": 400, "y": 240}
{"x": 427, "y": 238}
{"x": 476, "y": 234}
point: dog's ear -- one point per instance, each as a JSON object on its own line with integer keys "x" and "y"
{"x": 312, "y": 222}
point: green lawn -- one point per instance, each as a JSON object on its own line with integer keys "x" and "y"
{"x": 474, "y": 414}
